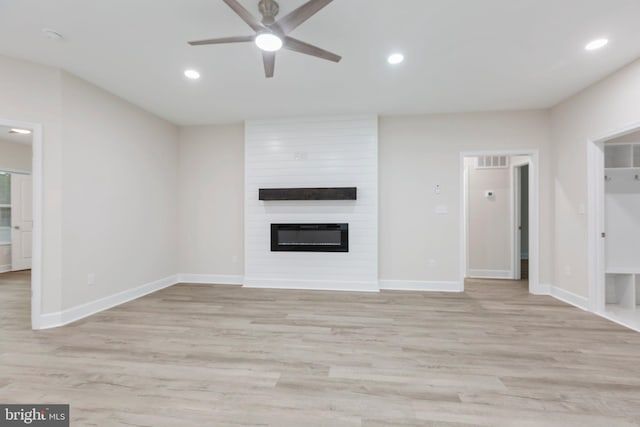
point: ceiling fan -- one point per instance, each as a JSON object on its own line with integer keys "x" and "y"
{"x": 271, "y": 35}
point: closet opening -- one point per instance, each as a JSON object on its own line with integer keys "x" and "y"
{"x": 615, "y": 227}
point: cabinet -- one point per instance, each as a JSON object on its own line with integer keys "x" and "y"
{"x": 622, "y": 227}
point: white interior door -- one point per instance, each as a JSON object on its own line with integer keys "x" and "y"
{"x": 21, "y": 222}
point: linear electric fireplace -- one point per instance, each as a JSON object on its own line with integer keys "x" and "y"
{"x": 310, "y": 237}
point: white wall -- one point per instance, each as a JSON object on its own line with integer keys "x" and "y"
{"x": 111, "y": 210}
{"x": 489, "y": 221}
{"x": 31, "y": 93}
{"x": 14, "y": 156}
{"x": 120, "y": 194}
{"x": 600, "y": 109}
{"x": 211, "y": 197}
{"x": 419, "y": 152}
{"x": 415, "y": 153}
{"x": 312, "y": 152}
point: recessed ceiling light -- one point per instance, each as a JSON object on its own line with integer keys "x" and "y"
{"x": 192, "y": 74}
{"x": 396, "y": 58}
{"x": 20, "y": 131}
{"x": 596, "y": 44}
{"x": 268, "y": 42}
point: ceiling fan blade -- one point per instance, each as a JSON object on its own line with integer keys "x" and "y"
{"x": 298, "y": 16}
{"x": 269, "y": 59}
{"x": 245, "y": 15}
{"x": 308, "y": 49}
{"x": 239, "y": 39}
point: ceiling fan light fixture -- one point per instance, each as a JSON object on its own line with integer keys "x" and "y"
{"x": 192, "y": 74}
{"x": 268, "y": 42}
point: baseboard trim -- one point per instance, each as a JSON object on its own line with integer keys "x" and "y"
{"x": 565, "y": 296}
{"x": 562, "y": 295}
{"x": 313, "y": 285}
{"x": 416, "y": 285}
{"x": 622, "y": 322}
{"x": 490, "y": 274}
{"x": 50, "y": 320}
{"x": 211, "y": 279}
{"x": 541, "y": 289}
{"x": 5, "y": 268}
{"x": 73, "y": 314}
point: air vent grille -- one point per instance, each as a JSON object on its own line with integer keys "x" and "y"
{"x": 492, "y": 162}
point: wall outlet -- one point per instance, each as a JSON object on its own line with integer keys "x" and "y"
{"x": 91, "y": 279}
{"x": 567, "y": 270}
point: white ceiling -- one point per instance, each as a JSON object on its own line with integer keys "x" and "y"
{"x": 461, "y": 55}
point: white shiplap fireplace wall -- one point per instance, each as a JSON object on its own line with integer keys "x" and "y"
{"x": 312, "y": 152}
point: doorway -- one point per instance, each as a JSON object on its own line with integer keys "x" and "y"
{"x": 520, "y": 190}
{"x": 21, "y": 210}
{"x": 500, "y": 218}
{"x": 16, "y": 215}
{"x": 614, "y": 226}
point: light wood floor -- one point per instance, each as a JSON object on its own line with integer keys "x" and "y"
{"x": 227, "y": 356}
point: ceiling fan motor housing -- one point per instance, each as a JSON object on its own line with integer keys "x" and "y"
{"x": 271, "y": 35}
{"x": 269, "y": 9}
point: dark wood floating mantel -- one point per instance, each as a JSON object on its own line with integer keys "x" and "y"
{"x": 335, "y": 193}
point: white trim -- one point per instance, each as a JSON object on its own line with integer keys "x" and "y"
{"x": 415, "y": 285}
{"x": 595, "y": 219}
{"x": 37, "y": 175}
{"x": 72, "y": 314}
{"x": 595, "y": 226}
{"x": 466, "y": 219}
{"x": 584, "y": 303}
{"x": 211, "y": 279}
{"x": 516, "y": 217}
{"x": 569, "y": 298}
{"x": 514, "y": 194}
{"x": 534, "y": 213}
{"x": 316, "y": 285}
{"x": 620, "y": 321}
{"x": 543, "y": 289}
{"x": 490, "y": 274}
{"x": 5, "y": 268}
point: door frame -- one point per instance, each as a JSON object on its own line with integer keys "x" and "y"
{"x": 596, "y": 212}
{"x": 534, "y": 213}
{"x": 516, "y": 216}
{"x": 36, "y": 174}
